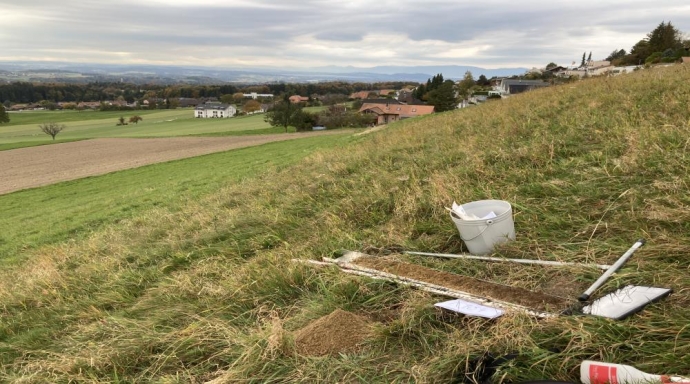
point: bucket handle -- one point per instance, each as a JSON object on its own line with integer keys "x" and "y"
{"x": 488, "y": 224}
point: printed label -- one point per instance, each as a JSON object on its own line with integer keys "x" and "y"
{"x": 601, "y": 374}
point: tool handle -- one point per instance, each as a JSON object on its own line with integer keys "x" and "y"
{"x": 616, "y": 266}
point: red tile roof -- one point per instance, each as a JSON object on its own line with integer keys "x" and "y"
{"x": 360, "y": 95}
{"x": 403, "y": 110}
{"x": 298, "y": 99}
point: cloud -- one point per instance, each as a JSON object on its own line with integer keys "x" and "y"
{"x": 339, "y": 36}
{"x": 308, "y": 33}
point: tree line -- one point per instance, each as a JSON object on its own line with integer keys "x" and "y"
{"x": 664, "y": 44}
{"x": 26, "y": 92}
{"x": 287, "y": 114}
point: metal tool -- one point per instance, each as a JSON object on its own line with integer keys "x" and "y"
{"x": 616, "y": 266}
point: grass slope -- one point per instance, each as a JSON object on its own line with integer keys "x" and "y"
{"x": 71, "y": 209}
{"x": 208, "y": 291}
{"x": 23, "y": 127}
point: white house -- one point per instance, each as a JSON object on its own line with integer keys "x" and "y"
{"x": 591, "y": 68}
{"x": 627, "y": 69}
{"x": 214, "y": 110}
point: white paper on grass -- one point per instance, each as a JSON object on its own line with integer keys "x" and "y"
{"x": 625, "y": 301}
{"x": 471, "y": 309}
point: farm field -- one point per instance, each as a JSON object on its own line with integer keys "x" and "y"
{"x": 70, "y": 209}
{"x": 37, "y": 166}
{"x": 202, "y": 270}
{"x": 23, "y": 126}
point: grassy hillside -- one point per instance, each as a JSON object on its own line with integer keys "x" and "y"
{"x": 208, "y": 291}
{"x": 23, "y": 127}
{"x": 71, "y": 209}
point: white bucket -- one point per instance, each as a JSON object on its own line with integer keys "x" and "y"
{"x": 480, "y": 236}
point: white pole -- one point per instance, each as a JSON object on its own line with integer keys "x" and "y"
{"x": 521, "y": 261}
{"x": 616, "y": 266}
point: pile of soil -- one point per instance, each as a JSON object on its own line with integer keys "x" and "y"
{"x": 520, "y": 296}
{"x": 340, "y": 331}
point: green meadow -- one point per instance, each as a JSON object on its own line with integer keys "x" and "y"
{"x": 185, "y": 272}
{"x": 23, "y": 128}
{"x": 71, "y": 209}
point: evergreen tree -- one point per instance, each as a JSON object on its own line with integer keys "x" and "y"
{"x": 641, "y": 50}
{"x": 584, "y": 54}
{"x": 436, "y": 82}
{"x": 589, "y": 58}
{"x": 4, "y": 116}
{"x": 483, "y": 81}
{"x": 443, "y": 97}
{"x": 663, "y": 37}
{"x": 420, "y": 92}
{"x": 432, "y": 84}
{"x": 616, "y": 54}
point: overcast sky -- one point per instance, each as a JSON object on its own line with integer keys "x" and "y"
{"x": 308, "y": 33}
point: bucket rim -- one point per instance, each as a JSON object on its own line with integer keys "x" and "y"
{"x": 487, "y": 201}
{"x": 500, "y": 217}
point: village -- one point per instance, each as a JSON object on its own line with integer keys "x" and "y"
{"x": 383, "y": 106}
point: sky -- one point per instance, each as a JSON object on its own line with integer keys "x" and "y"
{"x": 312, "y": 33}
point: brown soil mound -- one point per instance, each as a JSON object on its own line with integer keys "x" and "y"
{"x": 338, "y": 332}
{"x": 520, "y": 296}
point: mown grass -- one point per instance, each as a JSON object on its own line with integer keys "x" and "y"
{"x": 72, "y": 209}
{"x": 265, "y": 131}
{"x": 208, "y": 290}
{"x": 23, "y": 128}
{"x": 64, "y": 116}
{"x": 26, "y": 144}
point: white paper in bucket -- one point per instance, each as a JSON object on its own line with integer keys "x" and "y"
{"x": 459, "y": 211}
{"x": 480, "y": 236}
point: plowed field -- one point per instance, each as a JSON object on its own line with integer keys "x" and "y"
{"x": 48, "y": 164}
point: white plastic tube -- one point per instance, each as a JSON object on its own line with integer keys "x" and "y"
{"x": 521, "y": 261}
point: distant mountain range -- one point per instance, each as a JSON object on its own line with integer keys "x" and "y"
{"x": 75, "y": 72}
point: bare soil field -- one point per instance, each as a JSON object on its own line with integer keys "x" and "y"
{"x": 48, "y": 164}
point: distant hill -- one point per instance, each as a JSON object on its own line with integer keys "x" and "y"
{"x": 207, "y": 75}
{"x": 448, "y": 71}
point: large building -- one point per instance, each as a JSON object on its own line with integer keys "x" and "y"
{"x": 214, "y": 110}
{"x": 515, "y": 86}
{"x": 255, "y": 95}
